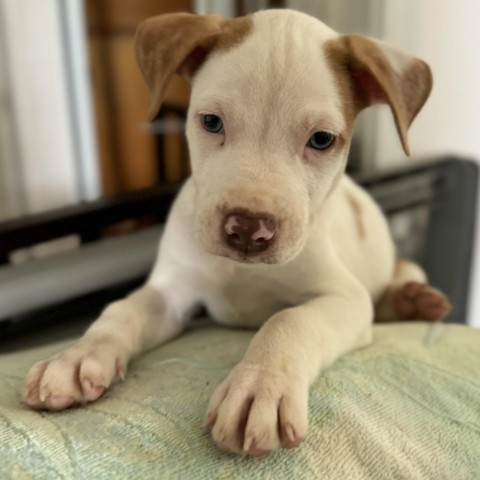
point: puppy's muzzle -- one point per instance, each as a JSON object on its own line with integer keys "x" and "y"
{"x": 249, "y": 233}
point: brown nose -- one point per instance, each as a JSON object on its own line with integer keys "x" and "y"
{"x": 249, "y": 234}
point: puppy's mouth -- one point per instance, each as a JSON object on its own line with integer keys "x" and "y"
{"x": 276, "y": 254}
{"x": 249, "y": 257}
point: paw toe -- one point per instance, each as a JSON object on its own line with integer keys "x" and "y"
{"x": 80, "y": 374}
{"x": 255, "y": 411}
{"x": 290, "y": 439}
{"x": 261, "y": 429}
{"x": 58, "y": 402}
{"x": 90, "y": 391}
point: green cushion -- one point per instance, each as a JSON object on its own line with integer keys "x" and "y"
{"x": 408, "y": 407}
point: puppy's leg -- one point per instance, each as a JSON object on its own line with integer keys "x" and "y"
{"x": 262, "y": 404}
{"x": 409, "y": 297}
{"x": 84, "y": 371}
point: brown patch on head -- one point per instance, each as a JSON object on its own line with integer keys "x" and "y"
{"x": 358, "y": 214}
{"x": 349, "y": 103}
{"x": 371, "y": 72}
{"x": 234, "y": 32}
{"x": 180, "y": 43}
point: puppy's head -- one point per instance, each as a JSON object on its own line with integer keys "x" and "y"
{"x": 274, "y": 98}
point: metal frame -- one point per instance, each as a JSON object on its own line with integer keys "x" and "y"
{"x": 447, "y": 188}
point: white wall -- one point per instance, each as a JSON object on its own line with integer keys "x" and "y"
{"x": 444, "y": 33}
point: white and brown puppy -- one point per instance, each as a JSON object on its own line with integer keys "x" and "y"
{"x": 268, "y": 231}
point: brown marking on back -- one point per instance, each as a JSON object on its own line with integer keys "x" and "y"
{"x": 358, "y": 214}
{"x": 180, "y": 43}
{"x": 366, "y": 76}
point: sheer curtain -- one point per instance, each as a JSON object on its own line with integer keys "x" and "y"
{"x": 48, "y": 155}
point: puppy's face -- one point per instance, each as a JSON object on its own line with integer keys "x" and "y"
{"x": 268, "y": 138}
{"x": 274, "y": 98}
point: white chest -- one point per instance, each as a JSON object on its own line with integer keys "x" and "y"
{"x": 240, "y": 295}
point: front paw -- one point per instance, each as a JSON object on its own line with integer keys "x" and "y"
{"x": 80, "y": 374}
{"x": 256, "y": 411}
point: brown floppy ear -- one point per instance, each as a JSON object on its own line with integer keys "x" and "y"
{"x": 179, "y": 43}
{"x": 164, "y": 44}
{"x": 382, "y": 73}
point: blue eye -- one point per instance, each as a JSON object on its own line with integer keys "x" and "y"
{"x": 212, "y": 123}
{"x": 321, "y": 140}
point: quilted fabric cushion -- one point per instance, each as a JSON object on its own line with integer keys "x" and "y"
{"x": 407, "y": 407}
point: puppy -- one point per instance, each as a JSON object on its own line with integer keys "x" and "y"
{"x": 268, "y": 232}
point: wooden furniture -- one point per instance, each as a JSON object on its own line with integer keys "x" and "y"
{"x": 131, "y": 155}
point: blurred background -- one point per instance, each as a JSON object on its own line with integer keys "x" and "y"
{"x": 73, "y": 103}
